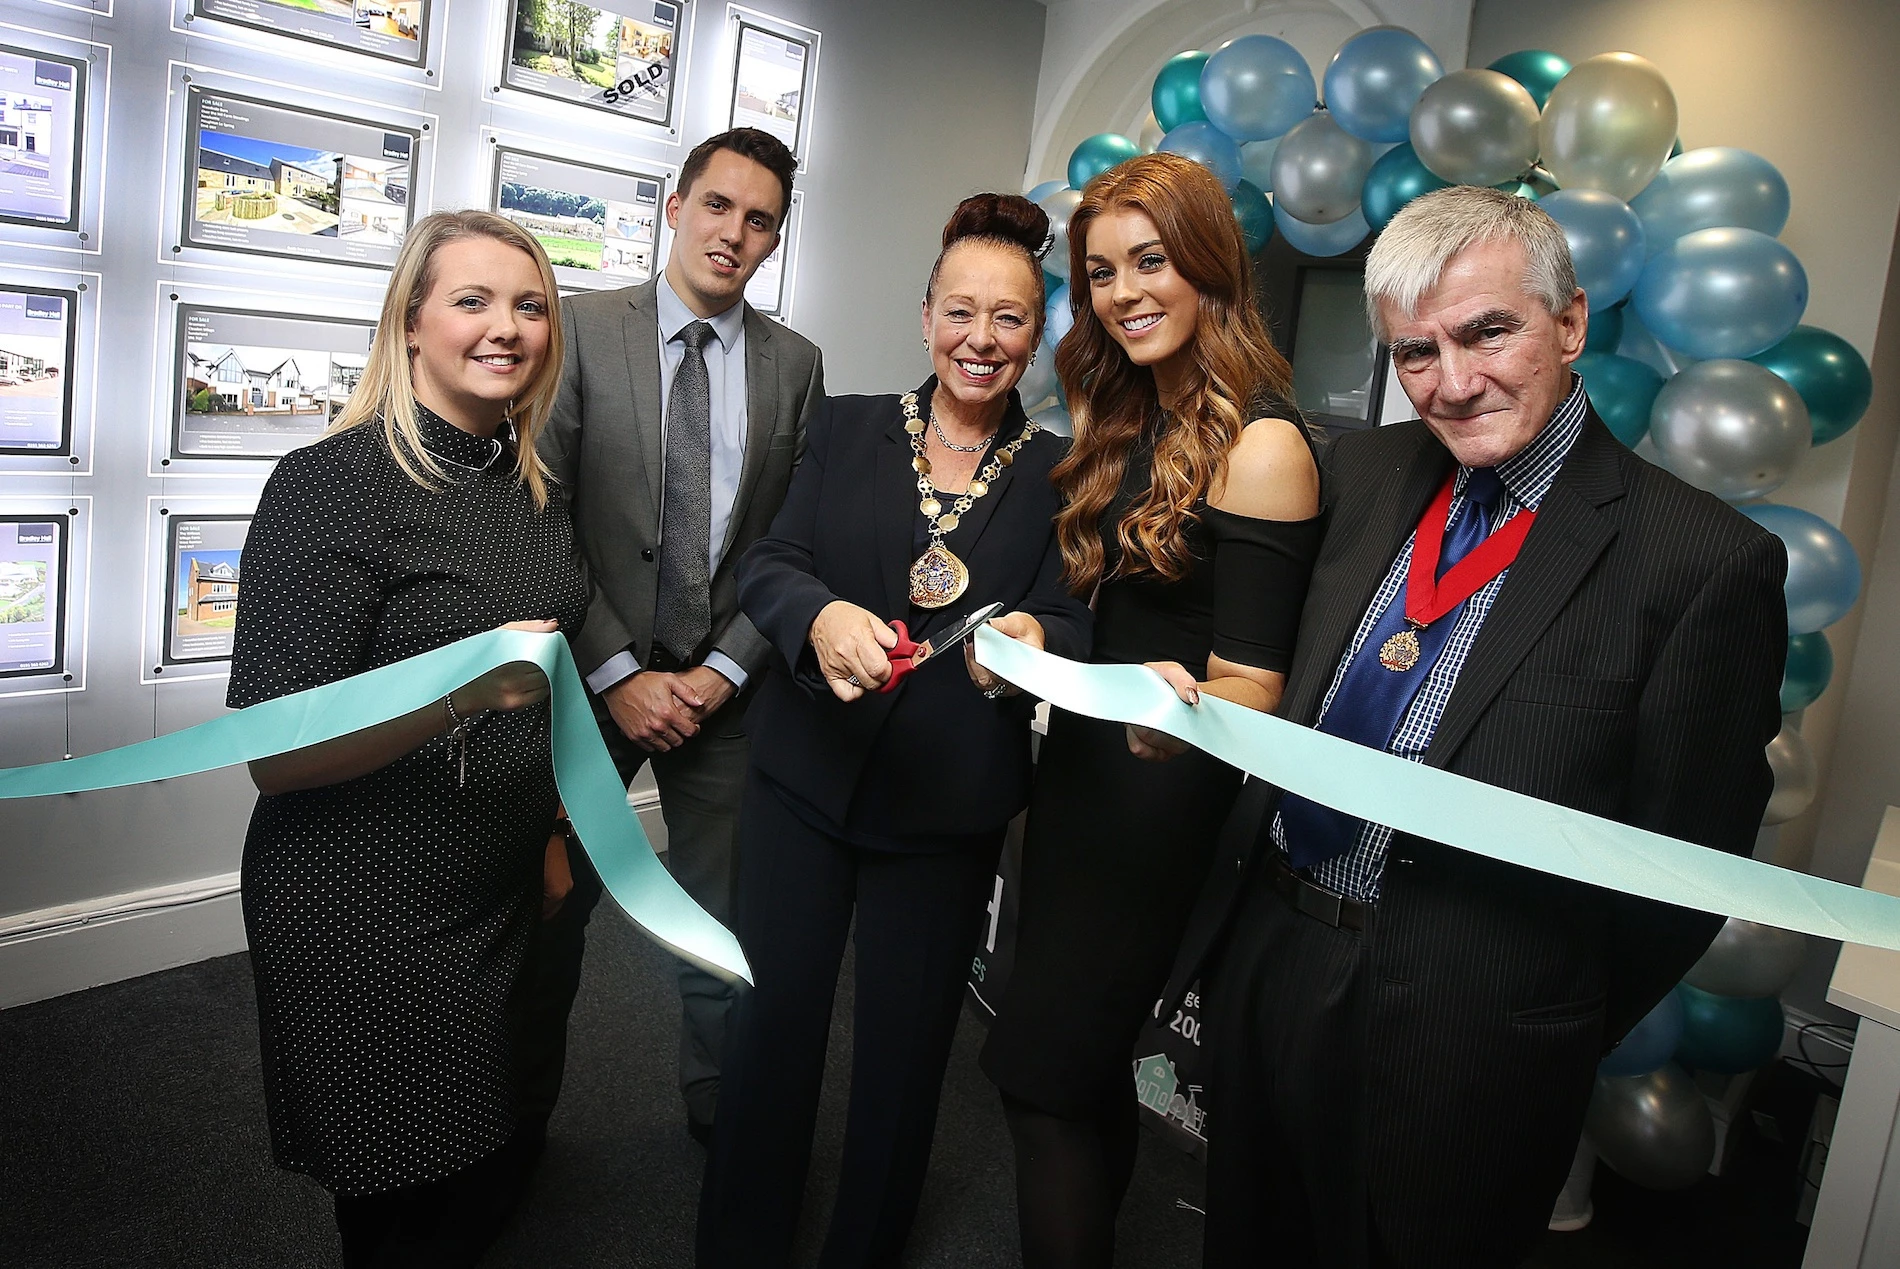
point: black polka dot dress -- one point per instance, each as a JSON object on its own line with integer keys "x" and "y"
{"x": 389, "y": 916}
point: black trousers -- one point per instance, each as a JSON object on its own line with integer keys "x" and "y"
{"x": 699, "y": 787}
{"x": 918, "y": 918}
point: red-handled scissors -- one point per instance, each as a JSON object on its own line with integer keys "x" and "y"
{"x": 908, "y": 655}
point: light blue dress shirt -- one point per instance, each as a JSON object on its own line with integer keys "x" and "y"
{"x": 725, "y": 373}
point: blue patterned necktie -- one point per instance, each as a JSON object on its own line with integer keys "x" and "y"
{"x": 1372, "y": 699}
{"x": 683, "y": 612}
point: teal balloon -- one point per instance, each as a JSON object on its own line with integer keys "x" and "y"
{"x": 1256, "y": 87}
{"x": 1715, "y": 187}
{"x": 1397, "y": 177}
{"x": 1650, "y": 1043}
{"x": 1321, "y": 240}
{"x": 1727, "y": 1034}
{"x": 1606, "y": 330}
{"x": 1828, "y": 373}
{"x": 1823, "y": 571}
{"x": 1177, "y": 92}
{"x": 1538, "y": 71}
{"x": 1375, "y": 79}
{"x": 1810, "y": 666}
{"x": 1722, "y": 293}
{"x": 1254, "y": 214}
{"x": 1209, "y": 146}
{"x": 1096, "y": 155}
{"x": 1622, "y": 391}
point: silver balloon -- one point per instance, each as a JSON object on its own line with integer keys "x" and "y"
{"x": 1654, "y": 1129}
{"x": 1055, "y": 419}
{"x": 1749, "y": 960}
{"x": 1148, "y": 136}
{"x": 1609, "y": 125}
{"x": 1319, "y": 170}
{"x": 1796, "y": 781}
{"x": 1059, "y": 206}
{"x": 1038, "y": 383}
{"x": 1733, "y": 428}
{"x": 1476, "y": 127}
{"x": 1256, "y": 163}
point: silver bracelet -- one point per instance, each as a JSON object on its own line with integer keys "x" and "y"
{"x": 458, "y": 740}
{"x": 997, "y": 692}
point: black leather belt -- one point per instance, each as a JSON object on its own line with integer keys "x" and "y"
{"x": 1316, "y": 901}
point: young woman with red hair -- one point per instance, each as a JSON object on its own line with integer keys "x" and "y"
{"x": 1191, "y": 516}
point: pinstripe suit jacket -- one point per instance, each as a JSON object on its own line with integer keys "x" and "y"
{"x": 1629, "y": 668}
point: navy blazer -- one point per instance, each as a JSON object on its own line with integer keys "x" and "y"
{"x": 848, "y": 531}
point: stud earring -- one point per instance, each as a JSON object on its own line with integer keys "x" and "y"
{"x": 926, "y": 345}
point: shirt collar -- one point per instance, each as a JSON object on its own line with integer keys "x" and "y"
{"x": 675, "y": 317}
{"x": 1528, "y": 475}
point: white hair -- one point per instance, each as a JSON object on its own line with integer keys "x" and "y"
{"x": 1412, "y": 252}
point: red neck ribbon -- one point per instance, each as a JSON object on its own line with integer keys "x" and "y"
{"x": 1428, "y": 596}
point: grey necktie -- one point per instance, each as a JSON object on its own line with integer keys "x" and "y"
{"x": 684, "y": 614}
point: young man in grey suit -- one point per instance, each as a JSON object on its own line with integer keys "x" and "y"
{"x": 680, "y": 416}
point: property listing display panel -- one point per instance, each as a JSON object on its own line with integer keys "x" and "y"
{"x": 621, "y": 56}
{"x": 203, "y": 559}
{"x": 42, "y": 114}
{"x": 32, "y": 594}
{"x": 397, "y": 30}
{"x": 37, "y": 341}
{"x": 766, "y": 291}
{"x": 587, "y": 218}
{"x": 283, "y": 181}
{"x": 252, "y": 384}
{"x": 770, "y": 82}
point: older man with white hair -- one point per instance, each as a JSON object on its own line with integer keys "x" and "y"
{"x": 1403, "y": 1035}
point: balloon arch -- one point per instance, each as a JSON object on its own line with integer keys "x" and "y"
{"x": 1695, "y": 341}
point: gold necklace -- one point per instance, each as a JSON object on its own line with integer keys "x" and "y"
{"x": 938, "y": 577}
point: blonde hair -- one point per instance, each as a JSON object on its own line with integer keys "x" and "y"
{"x": 386, "y": 393}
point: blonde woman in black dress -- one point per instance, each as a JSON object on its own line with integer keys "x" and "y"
{"x": 392, "y": 878}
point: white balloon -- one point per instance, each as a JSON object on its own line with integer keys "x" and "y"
{"x": 1795, "y": 776}
{"x": 1148, "y": 137}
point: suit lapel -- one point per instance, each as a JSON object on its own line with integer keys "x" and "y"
{"x": 761, "y": 415}
{"x": 894, "y": 500}
{"x": 1558, "y": 553}
{"x": 643, "y": 372}
{"x": 1386, "y": 518}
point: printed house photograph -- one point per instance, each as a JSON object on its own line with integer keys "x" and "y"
{"x": 206, "y": 593}
{"x": 569, "y": 41}
{"x": 769, "y": 84}
{"x": 627, "y": 245}
{"x": 22, "y": 592}
{"x": 260, "y": 383}
{"x": 30, "y": 366}
{"x": 642, "y": 46}
{"x": 400, "y": 19}
{"x": 375, "y": 200}
{"x": 570, "y": 227}
{"x": 26, "y": 136}
{"x": 267, "y": 185}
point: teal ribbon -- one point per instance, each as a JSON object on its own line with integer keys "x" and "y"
{"x": 1443, "y": 807}
{"x": 596, "y": 800}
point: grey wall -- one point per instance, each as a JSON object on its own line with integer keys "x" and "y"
{"x": 917, "y": 104}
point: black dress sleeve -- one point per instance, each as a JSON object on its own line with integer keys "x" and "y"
{"x": 1261, "y": 569}
{"x": 312, "y": 576}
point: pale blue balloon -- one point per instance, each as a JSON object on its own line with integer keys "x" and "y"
{"x": 1715, "y": 187}
{"x": 1322, "y": 240}
{"x": 1256, "y": 87}
{"x": 1256, "y": 163}
{"x": 1376, "y": 78}
{"x": 1823, "y": 571}
{"x": 1210, "y": 147}
{"x": 1045, "y": 189}
{"x": 1606, "y": 242}
{"x": 1721, "y": 293}
{"x": 1058, "y": 320}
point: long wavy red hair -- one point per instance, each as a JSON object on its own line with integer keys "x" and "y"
{"x": 1114, "y": 401}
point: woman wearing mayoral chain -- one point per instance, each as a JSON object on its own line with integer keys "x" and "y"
{"x": 1191, "y": 516}
{"x": 881, "y": 781}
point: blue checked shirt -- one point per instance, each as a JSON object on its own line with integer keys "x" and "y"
{"x": 1526, "y": 477}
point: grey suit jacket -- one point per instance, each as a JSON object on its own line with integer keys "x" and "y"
{"x": 603, "y": 444}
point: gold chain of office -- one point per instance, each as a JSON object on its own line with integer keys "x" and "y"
{"x": 938, "y": 577}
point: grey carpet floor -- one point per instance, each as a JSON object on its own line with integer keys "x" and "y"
{"x": 132, "y": 1134}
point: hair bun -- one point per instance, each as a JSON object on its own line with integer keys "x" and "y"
{"x": 1004, "y": 217}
